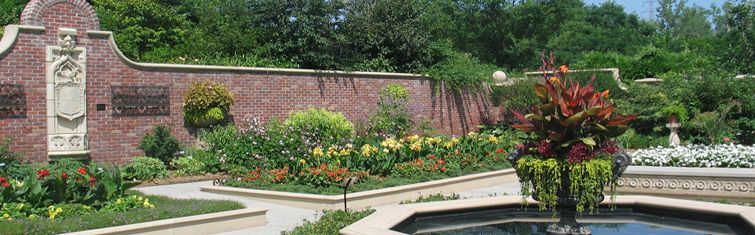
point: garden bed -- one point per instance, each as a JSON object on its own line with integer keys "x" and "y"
{"x": 182, "y": 179}
{"x": 164, "y": 208}
{"x": 364, "y": 199}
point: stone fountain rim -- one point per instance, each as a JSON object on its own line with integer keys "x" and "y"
{"x": 388, "y": 217}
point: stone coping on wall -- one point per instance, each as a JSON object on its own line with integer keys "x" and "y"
{"x": 365, "y": 199}
{"x": 10, "y": 36}
{"x": 381, "y": 222}
{"x": 688, "y": 182}
{"x": 198, "y": 224}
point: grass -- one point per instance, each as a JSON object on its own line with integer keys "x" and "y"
{"x": 165, "y": 208}
{"x": 362, "y": 185}
{"x": 330, "y": 223}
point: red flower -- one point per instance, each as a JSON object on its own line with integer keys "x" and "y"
{"x": 92, "y": 180}
{"x": 43, "y": 173}
{"x": 441, "y": 162}
{"x": 6, "y": 184}
{"x": 3, "y": 182}
{"x": 64, "y": 175}
{"x": 443, "y": 169}
{"x": 580, "y": 153}
{"x": 83, "y": 170}
{"x": 545, "y": 148}
{"x": 500, "y": 150}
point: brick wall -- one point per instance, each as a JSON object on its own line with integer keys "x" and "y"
{"x": 259, "y": 93}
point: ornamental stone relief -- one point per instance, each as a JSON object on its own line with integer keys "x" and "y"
{"x": 741, "y": 186}
{"x": 66, "y": 79}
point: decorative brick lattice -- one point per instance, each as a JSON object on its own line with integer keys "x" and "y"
{"x": 12, "y": 101}
{"x": 141, "y": 100}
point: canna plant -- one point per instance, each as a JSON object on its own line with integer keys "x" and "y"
{"x": 568, "y": 152}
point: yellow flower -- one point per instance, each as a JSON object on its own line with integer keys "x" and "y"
{"x": 5, "y": 216}
{"x": 412, "y": 138}
{"x": 416, "y": 146}
{"x": 492, "y": 139}
{"x": 368, "y": 150}
{"x": 32, "y": 216}
{"x": 118, "y": 201}
{"x": 345, "y": 152}
{"x": 317, "y": 152}
{"x": 302, "y": 161}
{"x": 451, "y": 143}
{"x": 472, "y": 134}
{"x": 391, "y": 144}
{"x": 432, "y": 141}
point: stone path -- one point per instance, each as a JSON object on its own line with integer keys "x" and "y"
{"x": 282, "y": 217}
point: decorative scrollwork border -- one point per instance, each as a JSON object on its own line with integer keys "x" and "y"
{"x": 12, "y": 101}
{"x": 141, "y": 100}
{"x": 713, "y": 185}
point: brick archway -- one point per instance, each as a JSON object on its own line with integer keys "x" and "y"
{"x": 32, "y": 14}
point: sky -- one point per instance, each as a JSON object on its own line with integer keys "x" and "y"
{"x": 639, "y": 6}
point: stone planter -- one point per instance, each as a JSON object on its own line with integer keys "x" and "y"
{"x": 567, "y": 201}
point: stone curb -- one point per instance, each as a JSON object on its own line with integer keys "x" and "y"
{"x": 360, "y": 200}
{"x": 197, "y": 224}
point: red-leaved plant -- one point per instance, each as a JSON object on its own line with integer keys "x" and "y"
{"x": 573, "y": 122}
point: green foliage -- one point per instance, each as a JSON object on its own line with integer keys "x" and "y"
{"x": 146, "y": 30}
{"x": 392, "y": 118}
{"x": 544, "y": 178}
{"x": 319, "y": 127}
{"x": 331, "y": 222}
{"x": 458, "y": 70}
{"x": 197, "y": 117}
{"x": 211, "y": 161}
{"x": 632, "y": 140}
{"x": 205, "y": 95}
{"x": 8, "y": 157}
{"x": 127, "y": 204}
{"x": 676, "y": 109}
{"x": 165, "y": 208}
{"x": 160, "y": 144}
{"x": 515, "y": 97}
{"x": 433, "y": 198}
{"x": 11, "y": 12}
{"x": 186, "y": 166}
{"x": 145, "y": 168}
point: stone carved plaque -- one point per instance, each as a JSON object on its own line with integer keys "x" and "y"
{"x": 66, "y": 84}
{"x": 12, "y": 101}
{"x": 141, "y": 100}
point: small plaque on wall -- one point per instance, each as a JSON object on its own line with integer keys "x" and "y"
{"x": 12, "y": 101}
{"x": 141, "y": 100}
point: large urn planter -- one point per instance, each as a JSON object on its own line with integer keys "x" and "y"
{"x": 567, "y": 202}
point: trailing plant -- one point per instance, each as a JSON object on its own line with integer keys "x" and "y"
{"x": 207, "y": 101}
{"x": 568, "y": 131}
{"x": 160, "y": 144}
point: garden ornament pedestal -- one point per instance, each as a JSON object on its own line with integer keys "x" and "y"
{"x": 673, "y": 137}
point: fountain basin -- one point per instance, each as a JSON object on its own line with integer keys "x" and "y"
{"x": 633, "y": 215}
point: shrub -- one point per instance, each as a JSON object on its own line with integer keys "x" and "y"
{"x": 160, "y": 144}
{"x": 633, "y": 140}
{"x": 459, "y": 70}
{"x": 319, "y": 127}
{"x": 392, "y": 118}
{"x": 145, "y": 168}
{"x": 7, "y": 156}
{"x": 515, "y": 97}
{"x": 212, "y": 163}
{"x": 186, "y": 166}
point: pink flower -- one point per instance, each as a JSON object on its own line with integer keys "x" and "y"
{"x": 545, "y": 148}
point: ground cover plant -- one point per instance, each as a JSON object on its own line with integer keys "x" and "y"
{"x": 330, "y": 223}
{"x": 721, "y": 155}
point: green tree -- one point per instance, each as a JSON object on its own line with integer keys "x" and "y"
{"x": 11, "y": 12}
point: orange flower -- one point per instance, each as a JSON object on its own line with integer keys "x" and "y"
{"x": 563, "y": 68}
{"x": 604, "y": 94}
{"x": 555, "y": 80}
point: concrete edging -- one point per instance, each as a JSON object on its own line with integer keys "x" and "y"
{"x": 360, "y": 200}
{"x": 197, "y": 224}
{"x": 688, "y": 182}
{"x": 381, "y": 222}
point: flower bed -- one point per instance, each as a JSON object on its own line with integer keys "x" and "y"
{"x": 391, "y": 162}
{"x": 723, "y": 155}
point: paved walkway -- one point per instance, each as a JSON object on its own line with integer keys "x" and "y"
{"x": 281, "y": 217}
